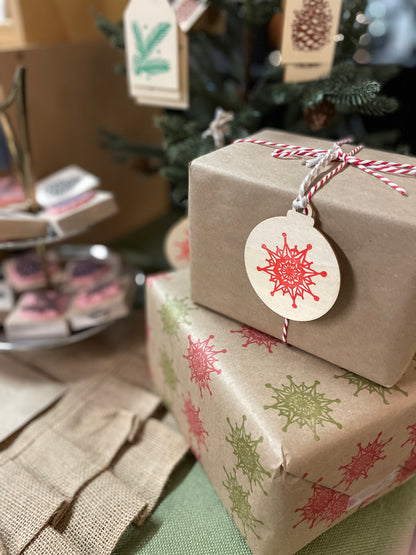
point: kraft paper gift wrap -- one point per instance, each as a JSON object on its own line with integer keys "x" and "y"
{"x": 291, "y": 443}
{"x": 371, "y": 329}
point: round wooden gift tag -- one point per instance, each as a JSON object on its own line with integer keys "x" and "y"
{"x": 292, "y": 267}
{"x": 177, "y": 245}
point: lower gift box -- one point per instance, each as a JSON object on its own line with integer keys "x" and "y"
{"x": 292, "y": 444}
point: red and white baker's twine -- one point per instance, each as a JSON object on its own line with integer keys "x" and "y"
{"x": 319, "y": 160}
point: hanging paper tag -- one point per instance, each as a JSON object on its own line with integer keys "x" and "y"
{"x": 188, "y": 12}
{"x": 300, "y": 73}
{"x": 165, "y": 98}
{"x": 292, "y": 267}
{"x": 151, "y": 38}
{"x": 309, "y": 30}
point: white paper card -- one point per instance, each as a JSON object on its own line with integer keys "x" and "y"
{"x": 151, "y": 41}
{"x": 309, "y": 30}
{"x": 64, "y": 184}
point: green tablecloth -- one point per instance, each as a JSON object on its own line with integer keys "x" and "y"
{"x": 191, "y": 520}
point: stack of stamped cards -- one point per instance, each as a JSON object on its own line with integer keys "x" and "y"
{"x": 69, "y": 203}
{"x": 157, "y": 50}
{"x": 15, "y": 223}
{"x": 55, "y": 299}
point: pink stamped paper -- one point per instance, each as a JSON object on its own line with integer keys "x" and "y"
{"x": 72, "y": 203}
{"x": 11, "y": 191}
{"x": 28, "y": 269}
{"x": 43, "y": 305}
{"x": 98, "y": 294}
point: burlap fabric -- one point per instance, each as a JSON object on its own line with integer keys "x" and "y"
{"x": 78, "y": 475}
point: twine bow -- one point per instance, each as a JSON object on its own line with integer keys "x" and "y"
{"x": 219, "y": 127}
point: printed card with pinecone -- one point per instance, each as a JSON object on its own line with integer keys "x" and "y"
{"x": 309, "y": 30}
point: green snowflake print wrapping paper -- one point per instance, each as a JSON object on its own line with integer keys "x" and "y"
{"x": 292, "y": 444}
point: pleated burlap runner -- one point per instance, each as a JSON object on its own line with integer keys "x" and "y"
{"x": 78, "y": 475}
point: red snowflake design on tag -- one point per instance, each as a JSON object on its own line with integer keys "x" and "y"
{"x": 290, "y": 272}
{"x": 195, "y": 427}
{"x": 256, "y": 337}
{"x": 183, "y": 246}
{"x": 361, "y": 463}
{"x": 201, "y": 359}
{"x": 326, "y": 505}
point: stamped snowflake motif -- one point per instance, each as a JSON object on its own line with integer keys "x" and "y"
{"x": 362, "y": 384}
{"x": 183, "y": 248}
{"x": 174, "y": 312}
{"x": 290, "y": 272}
{"x": 195, "y": 426}
{"x": 201, "y": 359}
{"x": 324, "y": 506}
{"x": 403, "y": 475}
{"x": 245, "y": 450}
{"x": 412, "y": 435}
{"x": 303, "y": 405}
{"x": 256, "y": 337}
{"x": 240, "y": 504}
{"x": 363, "y": 461}
{"x": 408, "y": 468}
{"x": 410, "y": 463}
{"x": 168, "y": 370}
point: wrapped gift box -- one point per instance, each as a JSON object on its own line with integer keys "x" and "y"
{"x": 371, "y": 329}
{"x": 291, "y": 443}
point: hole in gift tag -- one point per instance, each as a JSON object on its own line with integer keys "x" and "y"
{"x": 292, "y": 267}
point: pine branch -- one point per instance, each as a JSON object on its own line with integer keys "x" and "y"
{"x": 113, "y": 31}
{"x": 156, "y": 35}
{"x": 258, "y": 12}
{"x": 124, "y": 148}
{"x": 139, "y": 40}
{"x": 355, "y": 94}
{"x": 380, "y": 106}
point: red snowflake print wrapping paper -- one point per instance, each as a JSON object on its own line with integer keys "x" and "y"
{"x": 275, "y": 428}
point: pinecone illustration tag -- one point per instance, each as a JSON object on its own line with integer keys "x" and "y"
{"x": 292, "y": 267}
{"x": 309, "y": 30}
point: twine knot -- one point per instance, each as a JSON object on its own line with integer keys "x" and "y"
{"x": 219, "y": 127}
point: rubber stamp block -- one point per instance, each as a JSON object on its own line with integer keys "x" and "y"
{"x": 26, "y": 271}
{"x": 65, "y": 184}
{"x": 103, "y": 303}
{"x": 39, "y": 314}
{"x": 72, "y": 214}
